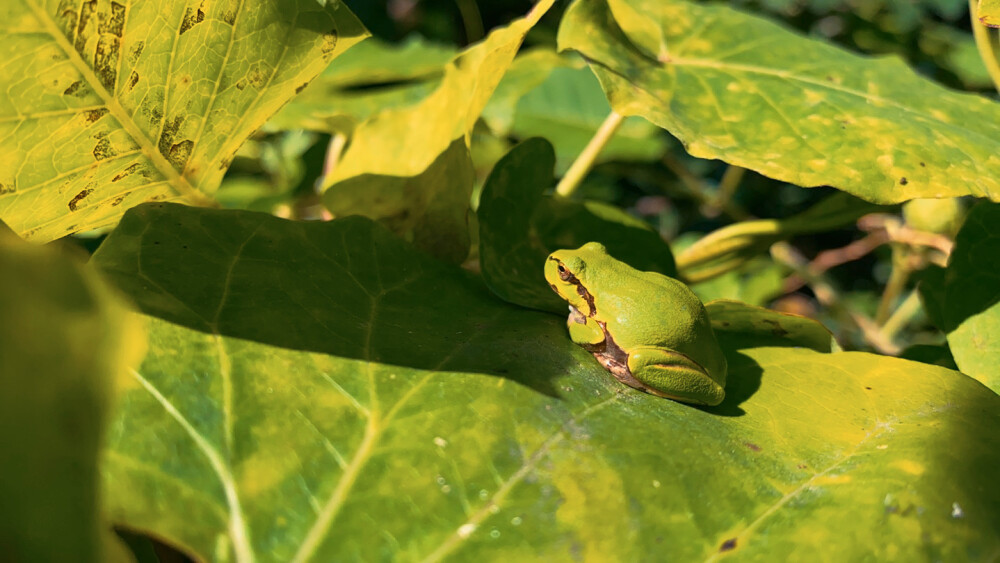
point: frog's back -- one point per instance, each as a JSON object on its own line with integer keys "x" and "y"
{"x": 661, "y": 309}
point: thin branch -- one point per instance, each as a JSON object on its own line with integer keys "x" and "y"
{"x": 583, "y": 163}
{"x": 984, "y": 43}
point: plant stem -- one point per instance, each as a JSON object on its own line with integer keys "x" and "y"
{"x": 333, "y": 153}
{"x": 583, "y": 163}
{"x": 985, "y": 46}
{"x": 472, "y": 20}
{"x": 907, "y": 310}
{"x": 897, "y": 283}
{"x": 697, "y": 190}
{"x": 731, "y": 179}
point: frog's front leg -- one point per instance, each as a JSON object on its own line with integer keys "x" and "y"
{"x": 583, "y": 331}
{"x": 673, "y": 375}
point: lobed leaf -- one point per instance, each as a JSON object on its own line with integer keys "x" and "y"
{"x": 426, "y": 419}
{"x": 109, "y": 104}
{"x": 741, "y": 89}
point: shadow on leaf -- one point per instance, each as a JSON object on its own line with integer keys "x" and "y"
{"x": 346, "y": 288}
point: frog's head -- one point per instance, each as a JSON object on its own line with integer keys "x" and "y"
{"x": 566, "y": 272}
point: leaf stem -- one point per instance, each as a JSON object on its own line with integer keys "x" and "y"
{"x": 897, "y": 282}
{"x": 472, "y": 20}
{"x": 697, "y": 189}
{"x": 984, "y": 44}
{"x": 731, "y": 179}
{"x": 583, "y": 163}
{"x": 906, "y": 312}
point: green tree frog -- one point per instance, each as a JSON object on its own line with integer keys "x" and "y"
{"x": 650, "y": 331}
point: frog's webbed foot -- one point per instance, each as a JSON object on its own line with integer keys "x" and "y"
{"x": 583, "y": 331}
{"x": 575, "y": 316}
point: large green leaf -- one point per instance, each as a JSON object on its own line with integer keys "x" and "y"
{"x": 741, "y": 89}
{"x": 964, "y": 299}
{"x": 449, "y": 423}
{"x": 519, "y": 226}
{"x": 64, "y": 339}
{"x": 109, "y": 104}
{"x": 410, "y": 166}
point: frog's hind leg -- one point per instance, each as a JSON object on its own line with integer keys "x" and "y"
{"x": 674, "y": 376}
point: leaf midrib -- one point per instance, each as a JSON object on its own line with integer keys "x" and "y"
{"x": 148, "y": 147}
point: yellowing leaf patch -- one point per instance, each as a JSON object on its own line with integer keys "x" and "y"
{"x": 107, "y": 104}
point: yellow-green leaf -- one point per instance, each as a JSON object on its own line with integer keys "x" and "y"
{"x": 989, "y": 12}
{"x": 108, "y": 104}
{"x": 336, "y": 395}
{"x": 741, "y": 89}
{"x": 390, "y": 154}
{"x": 64, "y": 339}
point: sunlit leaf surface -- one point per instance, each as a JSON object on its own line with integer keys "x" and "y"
{"x": 108, "y": 104}
{"x": 744, "y": 90}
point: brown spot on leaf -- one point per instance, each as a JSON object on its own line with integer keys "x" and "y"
{"x": 133, "y": 79}
{"x": 776, "y": 328}
{"x": 192, "y": 18}
{"x": 242, "y": 84}
{"x": 131, "y": 169}
{"x": 903, "y": 181}
{"x": 103, "y": 149}
{"x": 75, "y": 202}
{"x": 728, "y": 545}
{"x": 257, "y": 77}
{"x": 67, "y": 17}
{"x": 329, "y": 44}
{"x": 179, "y": 153}
{"x": 7, "y": 189}
{"x": 922, "y": 165}
{"x": 136, "y": 52}
{"x": 752, "y": 446}
{"x": 301, "y": 88}
{"x": 93, "y": 115}
{"x": 170, "y": 129}
{"x": 118, "y": 200}
{"x": 73, "y": 89}
{"x": 802, "y": 466}
{"x": 114, "y": 23}
{"x": 83, "y": 28}
{"x": 229, "y": 17}
{"x": 106, "y": 60}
